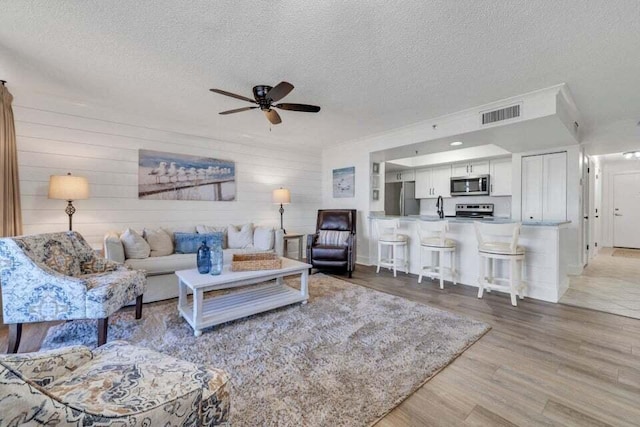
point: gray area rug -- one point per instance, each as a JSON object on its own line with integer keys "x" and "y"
{"x": 346, "y": 358}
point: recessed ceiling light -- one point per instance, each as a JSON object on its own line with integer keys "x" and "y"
{"x": 456, "y": 143}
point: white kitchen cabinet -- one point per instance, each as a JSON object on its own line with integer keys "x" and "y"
{"x": 532, "y": 170}
{"x": 392, "y": 177}
{"x": 470, "y": 168}
{"x": 479, "y": 168}
{"x": 441, "y": 181}
{"x": 544, "y": 187}
{"x": 400, "y": 176}
{"x": 433, "y": 182}
{"x": 500, "y": 179}
{"x": 459, "y": 169}
{"x": 554, "y": 187}
{"x": 423, "y": 183}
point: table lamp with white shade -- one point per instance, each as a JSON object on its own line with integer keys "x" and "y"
{"x": 281, "y": 196}
{"x": 69, "y": 188}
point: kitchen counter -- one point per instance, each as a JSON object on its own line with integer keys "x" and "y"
{"x": 494, "y": 220}
{"x": 546, "y": 244}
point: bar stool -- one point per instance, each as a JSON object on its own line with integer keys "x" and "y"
{"x": 500, "y": 242}
{"x": 388, "y": 237}
{"x": 433, "y": 238}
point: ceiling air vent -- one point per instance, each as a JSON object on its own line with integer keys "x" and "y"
{"x": 501, "y": 114}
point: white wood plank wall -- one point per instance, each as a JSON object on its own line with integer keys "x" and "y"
{"x": 106, "y": 152}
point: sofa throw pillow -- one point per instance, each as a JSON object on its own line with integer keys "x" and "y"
{"x": 240, "y": 237}
{"x": 202, "y": 229}
{"x": 188, "y": 243}
{"x": 263, "y": 238}
{"x": 333, "y": 237}
{"x": 134, "y": 245}
{"x": 160, "y": 242}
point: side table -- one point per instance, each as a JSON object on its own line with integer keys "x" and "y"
{"x": 299, "y": 237}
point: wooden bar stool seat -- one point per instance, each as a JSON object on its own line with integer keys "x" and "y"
{"x": 499, "y": 242}
{"x": 393, "y": 243}
{"x": 433, "y": 239}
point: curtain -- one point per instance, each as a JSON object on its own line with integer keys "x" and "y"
{"x": 10, "y": 212}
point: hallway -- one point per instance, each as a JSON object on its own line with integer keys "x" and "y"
{"x": 609, "y": 283}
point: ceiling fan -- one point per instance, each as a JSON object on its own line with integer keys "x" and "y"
{"x": 265, "y": 96}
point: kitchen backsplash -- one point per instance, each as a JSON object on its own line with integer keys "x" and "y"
{"x": 502, "y": 205}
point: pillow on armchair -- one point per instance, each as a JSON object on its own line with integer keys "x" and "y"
{"x": 333, "y": 237}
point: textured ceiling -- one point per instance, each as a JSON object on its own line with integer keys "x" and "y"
{"x": 371, "y": 66}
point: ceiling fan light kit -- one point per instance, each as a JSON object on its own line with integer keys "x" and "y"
{"x": 265, "y": 96}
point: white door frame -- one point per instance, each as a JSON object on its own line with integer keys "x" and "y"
{"x": 611, "y": 217}
{"x": 585, "y": 224}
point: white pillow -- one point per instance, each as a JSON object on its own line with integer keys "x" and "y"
{"x": 202, "y": 229}
{"x": 240, "y": 238}
{"x": 134, "y": 245}
{"x": 160, "y": 241}
{"x": 263, "y": 238}
{"x": 333, "y": 237}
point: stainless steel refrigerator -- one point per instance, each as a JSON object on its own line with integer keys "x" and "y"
{"x": 400, "y": 198}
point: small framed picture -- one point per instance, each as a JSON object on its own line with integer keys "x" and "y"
{"x": 376, "y": 194}
{"x": 375, "y": 167}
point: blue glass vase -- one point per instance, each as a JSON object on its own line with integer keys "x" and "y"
{"x": 204, "y": 258}
{"x": 216, "y": 260}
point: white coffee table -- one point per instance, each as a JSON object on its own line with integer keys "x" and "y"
{"x": 203, "y": 312}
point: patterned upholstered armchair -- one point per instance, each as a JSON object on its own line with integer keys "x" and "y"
{"x": 116, "y": 384}
{"x": 333, "y": 246}
{"x": 58, "y": 276}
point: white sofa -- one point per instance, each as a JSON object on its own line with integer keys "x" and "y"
{"x": 161, "y": 281}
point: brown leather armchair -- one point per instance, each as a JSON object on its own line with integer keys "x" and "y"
{"x": 333, "y": 246}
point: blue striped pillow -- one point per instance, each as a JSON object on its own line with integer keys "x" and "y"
{"x": 188, "y": 243}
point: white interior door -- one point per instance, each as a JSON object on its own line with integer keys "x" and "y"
{"x": 626, "y": 205}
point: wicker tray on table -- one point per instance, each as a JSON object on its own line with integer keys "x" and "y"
{"x": 252, "y": 262}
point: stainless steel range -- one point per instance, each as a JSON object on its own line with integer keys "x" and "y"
{"x": 482, "y": 210}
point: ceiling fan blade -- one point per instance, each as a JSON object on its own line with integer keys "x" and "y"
{"x": 233, "y": 95}
{"x": 273, "y": 116}
{"x": 237, "y": 110}
{"x": 299, "y": 107}
{"x": 279, "y": 91}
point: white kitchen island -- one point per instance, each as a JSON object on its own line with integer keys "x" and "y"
{"x": 545, "y": 264}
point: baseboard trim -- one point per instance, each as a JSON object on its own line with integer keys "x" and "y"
{"x": 574, "y": 269}
{"x": 363, "y": 261}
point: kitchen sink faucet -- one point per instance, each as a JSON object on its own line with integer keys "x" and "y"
{"x": 440, "y": 206}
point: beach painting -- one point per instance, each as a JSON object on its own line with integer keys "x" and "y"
{"x": 167, "y": 176}
{"x": 344, "y": 181}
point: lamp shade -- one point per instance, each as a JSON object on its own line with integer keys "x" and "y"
{"x": 281, "y": 196}
{"x": 68, "y": 187}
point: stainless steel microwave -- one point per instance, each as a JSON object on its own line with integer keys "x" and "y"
{"x": 477, "y": 185}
